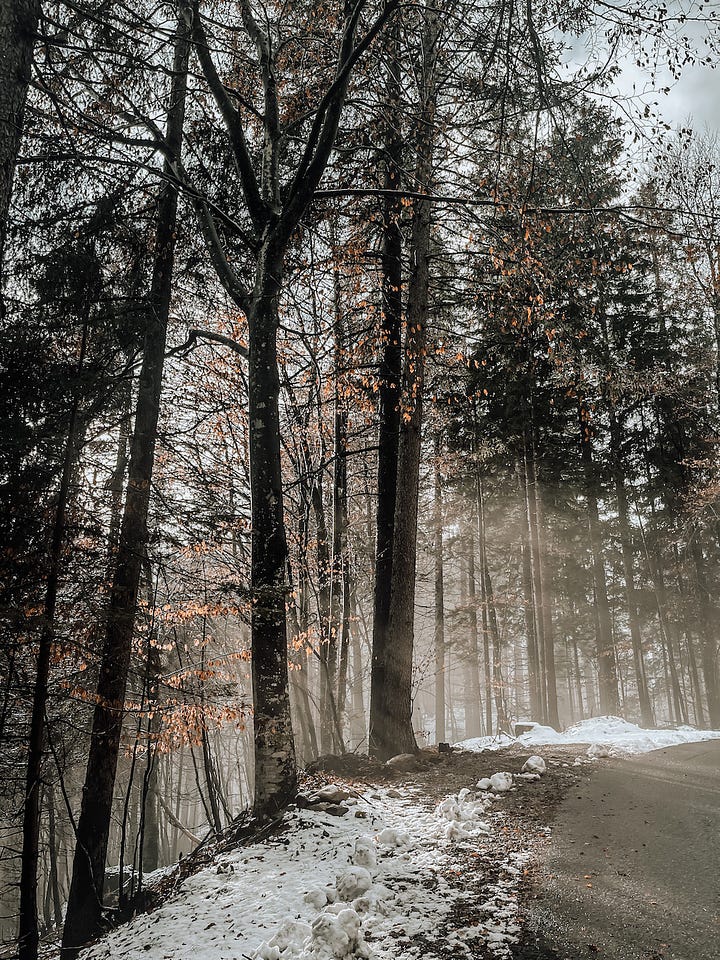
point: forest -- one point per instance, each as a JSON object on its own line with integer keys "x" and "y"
{"x": 360, "y": 392}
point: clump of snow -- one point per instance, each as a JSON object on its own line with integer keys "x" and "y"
{"x": 365, "y": 854}
{"x": 336, "y": 935}
{"x": 534, "y": 764}
{"x": 391, "y": 837}
{"x": 613, "y": 733}
{"x": 352, "y": 883}
{"x": 501, "y": 782}
{"x": 316, "y": 898}
{"x": 290, "y": 938}
{"x": 484, "y": 783}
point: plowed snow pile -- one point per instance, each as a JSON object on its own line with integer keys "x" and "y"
{"x": 613, "y": 733}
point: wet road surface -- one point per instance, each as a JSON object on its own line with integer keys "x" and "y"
{"x": 633, "y": 871}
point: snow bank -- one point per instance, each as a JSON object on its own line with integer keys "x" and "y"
{"x": 336, "y": 888}
{"x": 613, "y": 733}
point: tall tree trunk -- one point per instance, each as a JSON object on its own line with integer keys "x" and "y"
{"x": 275, "y": 766}
{"x": 501, "y": 719}
{"x": 84, "y": 909}
{"x": 540, "y": 579}
{"x": 474, "y": 653}
{"x": 340, "y": 591}
{"x": 607, "y": 672}
{"x": 327, "y": 637}
{"x": 393, "y": 730}
{"x": 18, "y": 32}
{"x": 389, "y": 376}
{"x": 535, "y": 697}
{"x": 546, "y": 588}
{"x": 117, "y": 478}
{"x": 646, "y": 714}
{"x": 150, "y": 841}
{"x": 578, "y": 678}
{"x": 439, "y": 609}
{"x": 28, "y": 933}
{"x": 708, "y": 622}
{"x": 358, "y": 721}
{"x": 54, "y": 847}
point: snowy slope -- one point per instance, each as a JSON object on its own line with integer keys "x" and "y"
{"x": 367, "y": 885}
{"x": 616, "y": 734}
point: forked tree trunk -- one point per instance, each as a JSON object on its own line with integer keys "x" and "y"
{"x": 84, "y": 909}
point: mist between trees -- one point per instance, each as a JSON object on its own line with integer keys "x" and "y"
{"x": 360, "y": 391}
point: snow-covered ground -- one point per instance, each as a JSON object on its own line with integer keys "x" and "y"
{"x": 613, "y": 733}
{"x": 374, "y": 883}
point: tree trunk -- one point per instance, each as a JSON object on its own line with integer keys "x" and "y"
{"x": 54, "y": 846}
{"x": 607, "y": 673}
{"x": 358, "y": 723}
{"x": 84, "y": 909}
{"x": 439, "y": 633}
{"x": 646, "y": 714}
{"x": 393, "y": 730}
{"x": 708, "y": 622}
{"x": 18, "y": 31}
{"x": 327, "y": 638}
{"x": 275, "y": 767}
{"x": 535, "y": 697}
{"x": 340, "y": 590}
{"x": 389, "y": 376}
{"x": 28, "y": 933}
{"x": 474, "y": 658}
{"x": 501, "y": 720}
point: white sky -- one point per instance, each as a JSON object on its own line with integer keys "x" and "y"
{"x": 695, "y": 96}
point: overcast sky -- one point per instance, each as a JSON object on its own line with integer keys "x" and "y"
{"x": 696, "y": 95}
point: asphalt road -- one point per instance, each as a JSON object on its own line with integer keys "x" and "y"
{"x": 633, "y": 871}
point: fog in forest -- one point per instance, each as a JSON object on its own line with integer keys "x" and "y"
{"x": 360, "y": 394}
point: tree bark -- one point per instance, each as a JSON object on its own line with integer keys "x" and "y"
{"x": 501, "y": 720}
{"x": 708, "y": 621}
{"x": 393, "y": 730}
{"x": 18, "y": 31}
{"x": 84, "y": 909}
{"x": 475, "y": 725}
{"x": 535, "y": 698}
{"x": 275, "y": 767}
{"x": 607, "y": 672}
{"x": 646, "y": 713}
{"x": 389, "y": 376}
{"x": 439, "y": 632}
{"x": 28, "y": 933}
